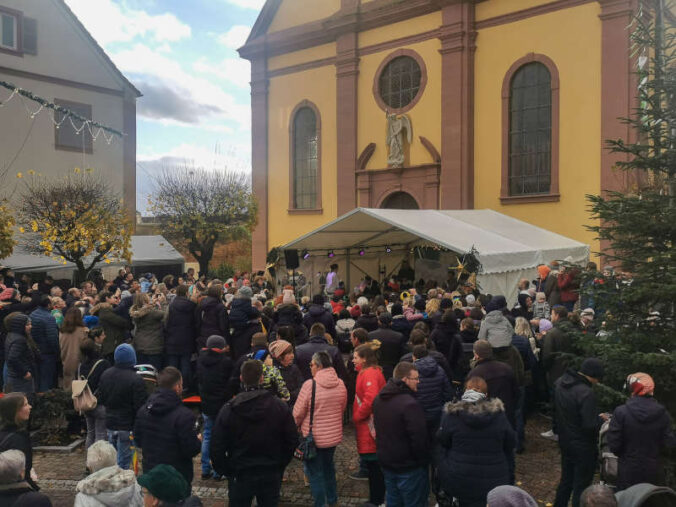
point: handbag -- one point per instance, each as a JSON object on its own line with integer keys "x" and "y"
{"x": 307, "y": 449}
{"x": 83, "y": 398}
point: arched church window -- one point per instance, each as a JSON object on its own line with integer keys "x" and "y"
{"x": 530, "y": 130}
{"x": 305, "y": 158}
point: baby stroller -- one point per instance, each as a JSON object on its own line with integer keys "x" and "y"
{"x": 149, "y": 375}
{"x": 607, "y": 460}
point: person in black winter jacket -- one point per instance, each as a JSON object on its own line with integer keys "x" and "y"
{"x": 241, "y": 310}
{"x": 446, "y": 339}
{"x": 165, "y": 430}
{"x": 499, "y": 377}
{"x": 402, "y": 445}
{"x": 392, "y": 344}
{"x": 45, "y": 333}
{"x": 180, "y": 333}
{"x": 434, "y": 389}
{"x": 367, "y": 320}
{"x": 10, "y": 303}
{"x": 240, "y": 340}
{"x": 20, "y": 356}
{"x": 418, "y": 337}
{"x": 577, "y": 422}
{"x": 639, "y": 433}
{"x": 212, "y": 317}
{"x": 253, "y": 440}
{"x": 15, "y": 411}
{"x": 122, "y": 392}
{"x": 288, "y": 314}
{"x": 214, "y": 369}
{"x": 400, "y": 323}
{"x": 318, "y": 314}
{"x": 476, "y": 443}
{"x": 316, "y": 343}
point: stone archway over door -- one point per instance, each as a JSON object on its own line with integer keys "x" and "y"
{"x": 399, "y": 200}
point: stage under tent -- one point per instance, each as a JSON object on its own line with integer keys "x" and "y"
{"x": 374, "y": 242}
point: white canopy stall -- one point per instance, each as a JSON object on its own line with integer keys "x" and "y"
{"x": 148, "y": 253}
{"x": 373, "y": 241}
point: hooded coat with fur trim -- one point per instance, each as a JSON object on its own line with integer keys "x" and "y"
{"x": 109, "y": 486}
{"x": 148, "y": 329}
{"x": 476, "y": 440}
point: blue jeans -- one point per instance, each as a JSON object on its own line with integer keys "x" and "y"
{"x": 322, "y": 474}
{"x": 47, "y": 377}
{"x": 206, "y": 441}
{"x": 182, "y": 362}
{"x": 407, "y": 489}
{"x": 153, "y": 359}
{"x": 122, "y": 443}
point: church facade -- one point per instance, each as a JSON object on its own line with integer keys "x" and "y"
{"x": 436, "y": 104}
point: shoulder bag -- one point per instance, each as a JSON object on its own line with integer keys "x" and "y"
{"x": 307, "y": 449}
{"x": 83, "y": 398}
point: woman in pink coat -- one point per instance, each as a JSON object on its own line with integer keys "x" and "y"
{"x": 370, "y": 381}
{"x": 327, "y": 425}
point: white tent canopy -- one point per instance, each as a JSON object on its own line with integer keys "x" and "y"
{"x": 146, "y": 250}
{"x": 508, "y": 249}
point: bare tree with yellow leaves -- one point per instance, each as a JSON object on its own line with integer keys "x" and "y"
{"x": 199, "y": 208}
{"x": 77, "y": 218}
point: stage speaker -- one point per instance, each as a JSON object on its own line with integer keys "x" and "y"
{"x": 291, "y": 259}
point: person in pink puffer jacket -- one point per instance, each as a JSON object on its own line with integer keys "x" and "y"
{"x": 327, "y": 426}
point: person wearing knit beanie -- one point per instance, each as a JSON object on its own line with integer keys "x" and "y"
{"x": 125, "y": 355}
{"x": 278, "y": 348}
{"x": 509, "y": 496}
{"x": 216, "y": 342}
{"x": 245, "y": 292}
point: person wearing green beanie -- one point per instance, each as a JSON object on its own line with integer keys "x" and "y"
{"x": 164, "y": 486}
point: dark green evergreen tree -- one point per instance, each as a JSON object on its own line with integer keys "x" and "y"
{"x": 639, "y": 225}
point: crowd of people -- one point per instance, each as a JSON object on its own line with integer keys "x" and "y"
{"x": 437, "y": 382}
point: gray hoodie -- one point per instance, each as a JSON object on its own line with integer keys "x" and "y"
{"x": 496, "y": 329}
{"x": 109, "y": 487}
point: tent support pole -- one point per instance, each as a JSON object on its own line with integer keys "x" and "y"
{"x": 347, "y": 274}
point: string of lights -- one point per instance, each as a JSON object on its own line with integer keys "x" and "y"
{"x": 94, "y": 128}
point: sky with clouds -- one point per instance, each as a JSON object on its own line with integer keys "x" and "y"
{"x": 182, "y": 56}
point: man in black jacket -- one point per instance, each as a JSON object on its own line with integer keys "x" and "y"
{"x": 122, "y": 393}
{"x": 253, "y": 441}
{"x": 498, "y": 375}
{"x": 317, "y": 314}
{"x": 317, "y": 343}
{"x": 166, "y": 430}
{"x": 402, "y": 443}
{"x": 214, "y": 369}
{"x": 180, "y": 331}
{"x": 577, "y": 422}
{"x": 392, "y": 343}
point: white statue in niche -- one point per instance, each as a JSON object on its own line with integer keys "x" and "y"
{"x": 395, "y": 138}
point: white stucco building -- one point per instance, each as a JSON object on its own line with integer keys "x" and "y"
{"x": 46, "y": 50}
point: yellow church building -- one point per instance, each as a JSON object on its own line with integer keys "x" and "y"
{"x": 436, "y": 104}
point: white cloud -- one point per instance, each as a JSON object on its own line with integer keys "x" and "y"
{"x": 232, "y": 157}
{"x": 110, "y": 22}
{"x": 232, "y": 70}
{"x": 171, "y": 93}
{"x": 235, "y": 37}
{"x": 248, "y": 4}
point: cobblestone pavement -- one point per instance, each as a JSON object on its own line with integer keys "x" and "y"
{"x": 537, "y": 471}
